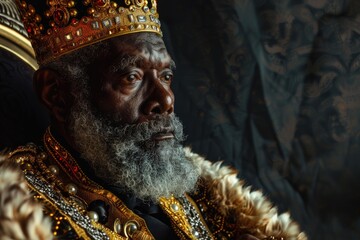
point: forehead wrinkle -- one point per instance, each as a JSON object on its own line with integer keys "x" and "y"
{"x": 160, "y": 61}
{"x": 123, "y": 62}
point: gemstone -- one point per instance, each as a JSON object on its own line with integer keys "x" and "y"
{"x": 68, "y": 37}
{"x": 71, "y": 188}
{"x": 131, "y": 18}
{"x": 141, "y": 18}
{"x": 74, "y": 21}
{"x": 91, "y": 11}
{"x": 79, "y": 32}
{"x": 117, "y": 226}
{"x": 106, "y": 23}
{"x": 152, "y": 18}
{"x": 37, "y": 18}
{"x": 93, "y": 216}
{"x": 95, "y": 25}
{"x": 71, "y": 4}
{"x": 117, "y": 19}
{"x": 42, "y": 155}
{"x": 100, "y": 3}
{"x": 114, "y": 5}
{"x": 60, "y": 17}
{"x": 146, "y": 8}
{"x": 54, "y": 169}
{"x": 174, "y": 207}
{"x": 196, "y": 234}
{"x": 73, "y": 12}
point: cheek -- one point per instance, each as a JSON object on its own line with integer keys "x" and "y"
{"x": 116, "y": 104}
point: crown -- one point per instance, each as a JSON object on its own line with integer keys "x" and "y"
{"x": 57, "y": 27}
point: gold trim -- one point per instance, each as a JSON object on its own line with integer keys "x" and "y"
{"x": 79, "y": 231}
{"x": 192, "y": 202}
{"x": 177, "y": 216}
{"x": 18, "y": 45}
{"x": 56, "y": 151}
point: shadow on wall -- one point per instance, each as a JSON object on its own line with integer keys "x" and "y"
{"x": 22, "y": 118}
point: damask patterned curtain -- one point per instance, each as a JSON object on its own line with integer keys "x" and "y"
{"x": 272, "y": 88}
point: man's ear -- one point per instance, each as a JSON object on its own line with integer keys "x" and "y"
{"x": 49, "y": 87}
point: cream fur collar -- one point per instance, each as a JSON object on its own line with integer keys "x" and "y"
{"x": 20, "y": 216}
{"x": 251, "y": 208}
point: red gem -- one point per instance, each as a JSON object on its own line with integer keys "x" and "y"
{"x": 75, "y": 169}
{"x": 74, "y": 21}
{"x": 59, "y": 16}
{"x": 100, "y": 3}
{"x": 29, "y": 29}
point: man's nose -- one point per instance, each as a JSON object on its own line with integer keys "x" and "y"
{"x": 161, "y": 99}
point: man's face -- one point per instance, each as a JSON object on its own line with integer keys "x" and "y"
{"x": 123, "y": 124}
{"x": 133, "y": 80}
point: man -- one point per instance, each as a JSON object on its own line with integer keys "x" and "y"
{"x": 111, "y": 165}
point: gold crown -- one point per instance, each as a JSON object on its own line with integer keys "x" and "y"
{"x": 57, "y": 27}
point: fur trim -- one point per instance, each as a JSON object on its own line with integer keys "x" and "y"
{"x": 20, "y": 216}
{"x": 251, "y": 209}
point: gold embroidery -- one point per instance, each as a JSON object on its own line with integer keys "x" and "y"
{"x": 176, "y": 213}
{"x": 33, "y": 160}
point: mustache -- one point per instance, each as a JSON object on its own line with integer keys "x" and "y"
{"x": 142, "y": 132}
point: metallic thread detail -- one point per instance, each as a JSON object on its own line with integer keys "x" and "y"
{"x": 69, "y": 165}
{"x": 199, "y": 229}
{"x": 83, "y": 221}
{"x": 185, "y": 219}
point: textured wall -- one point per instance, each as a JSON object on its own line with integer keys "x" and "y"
{"x": 272, "y": 87}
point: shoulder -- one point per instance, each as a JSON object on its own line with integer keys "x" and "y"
{"x": 249, "y": 210}
{"x": 20, "y": 216}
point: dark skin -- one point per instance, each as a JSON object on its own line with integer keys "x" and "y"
{"x": 131, "y": 81}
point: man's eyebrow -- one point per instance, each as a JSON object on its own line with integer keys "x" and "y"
{"x": 124, "y": 62}
{"x": 172, "y": 65}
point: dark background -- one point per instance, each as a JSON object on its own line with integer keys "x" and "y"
{"x": 269, "y": 86}
{"x": 272, "y": 87}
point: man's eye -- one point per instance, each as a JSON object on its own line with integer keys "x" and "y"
{"x": 167, "y": 77}
{"x": 131, "y": 77}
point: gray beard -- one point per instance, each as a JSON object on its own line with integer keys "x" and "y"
{"x": 124, "y": 156}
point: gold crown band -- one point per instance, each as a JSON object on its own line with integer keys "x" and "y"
{"x": 67, "y": 25}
